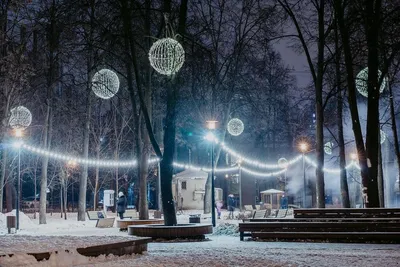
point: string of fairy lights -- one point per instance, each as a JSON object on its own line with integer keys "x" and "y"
{"x": 241, "y": 159}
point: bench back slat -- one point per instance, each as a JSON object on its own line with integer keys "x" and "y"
{"x": 105, "y": 223}
{"x": 131, "y": 214}
{"x": 95, "y": 215}
{"x": 259, "y": 214}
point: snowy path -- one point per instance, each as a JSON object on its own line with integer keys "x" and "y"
{"x": 220, "y": 250}
{"x": 229, "y": 251}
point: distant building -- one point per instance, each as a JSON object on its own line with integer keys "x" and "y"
{"x": 188, "y": 189}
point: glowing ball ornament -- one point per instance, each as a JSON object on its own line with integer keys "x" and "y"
{"x": 383, "y": 137}
{"x": 105, "y": 83}
{"x": 167, "y": 56}
{"x": 235, "y": 127}
{"x": 20, "y": 118}
{"x": 362, "y": 82}
{"x": 282, "y": 163}
{"x": 328, "y": 148}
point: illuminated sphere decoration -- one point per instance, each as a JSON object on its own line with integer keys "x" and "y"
{"x": 383, "y": 137}
{"x": 282, "y": 162}
{"x": 105, "y": 83}
{"x": 362, "y": 82}
{"x": 328, "y": 148}
{"x": 235, "y": 127}
{"x": 167, "y": 56}
{"x": 20, "y": 118}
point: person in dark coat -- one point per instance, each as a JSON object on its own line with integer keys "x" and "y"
{"x": 231, "y": 205}
{"x": 121, "y": 205}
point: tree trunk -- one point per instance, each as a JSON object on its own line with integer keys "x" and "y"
{"x": 144, "y": 167}
{"x": 344, "y": 187}
{"x": 65, "y": 186}
{"x": 372, "y": 26}
{"x": 61, "y": 199}
{"x": 394, "y": 129}
{"x": 3, "y": 176}
{"x": 84, "y": 174}
{"x": 96, "y": 183}
{"x": 320, "y": 184}
{"x": 45, "y": 163}
{"x": 381, "y": 186}
{"x": 166, "y": 164}
{"x": 9, "y": 196}
{"x": 348, "y": 57}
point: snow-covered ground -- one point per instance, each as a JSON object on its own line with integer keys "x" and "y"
{"x": 221, "y": 249}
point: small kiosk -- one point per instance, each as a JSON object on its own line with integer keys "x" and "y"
{"x": 108, "y": 200}
{"x": 272, "y": 198}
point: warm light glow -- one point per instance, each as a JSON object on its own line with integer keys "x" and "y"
{"x": 18, "y": 132}
{"x": 72, "y": 163}
{"x": 303, "y": 147}
{"x": 353, "y": 156}
{"x": 212, "y": 125}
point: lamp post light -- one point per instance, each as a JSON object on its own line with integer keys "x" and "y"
{"x": 211, "y": 125}
{"x": 303, "y": 149}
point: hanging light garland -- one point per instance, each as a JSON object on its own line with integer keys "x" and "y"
{"x": 362, "y": 82}
{"x": 20, "y": 118}
{"x": 235, "y": 127}
{"x": 133, "y": 163}
{"x": 105, "y": 83}
{"x": 167, "y": 56}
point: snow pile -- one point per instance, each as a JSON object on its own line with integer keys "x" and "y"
{"x": 3, "y": 221}
{"x": 226, "y": 229}
{"x": 24, "y": 220}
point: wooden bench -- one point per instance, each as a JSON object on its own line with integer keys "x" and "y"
{"x": 348, "y": 213}
{"x": 333, "y": 236}
{"x": 131, "y": 213}
{"x": 101, "y": 217}
{"x": 293, "y": 227}
{"x": 377, "y": 224}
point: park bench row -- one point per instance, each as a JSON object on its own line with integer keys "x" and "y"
{"x": 104, "y": 222}
{"x": 328, "y": 224}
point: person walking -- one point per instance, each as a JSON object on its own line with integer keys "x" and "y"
{"x": 219, "y": 208}
{"x": 231, "y": 205}
{"x": 121, "y": 205}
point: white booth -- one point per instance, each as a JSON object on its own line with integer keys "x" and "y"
{"x": 108, "y": 200}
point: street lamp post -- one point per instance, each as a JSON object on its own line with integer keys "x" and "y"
{"x": 18, "y": 185}
{"x": 240, "y": 185}
{"x": 211, "y": 125}
{"x": 212, "y": 186}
